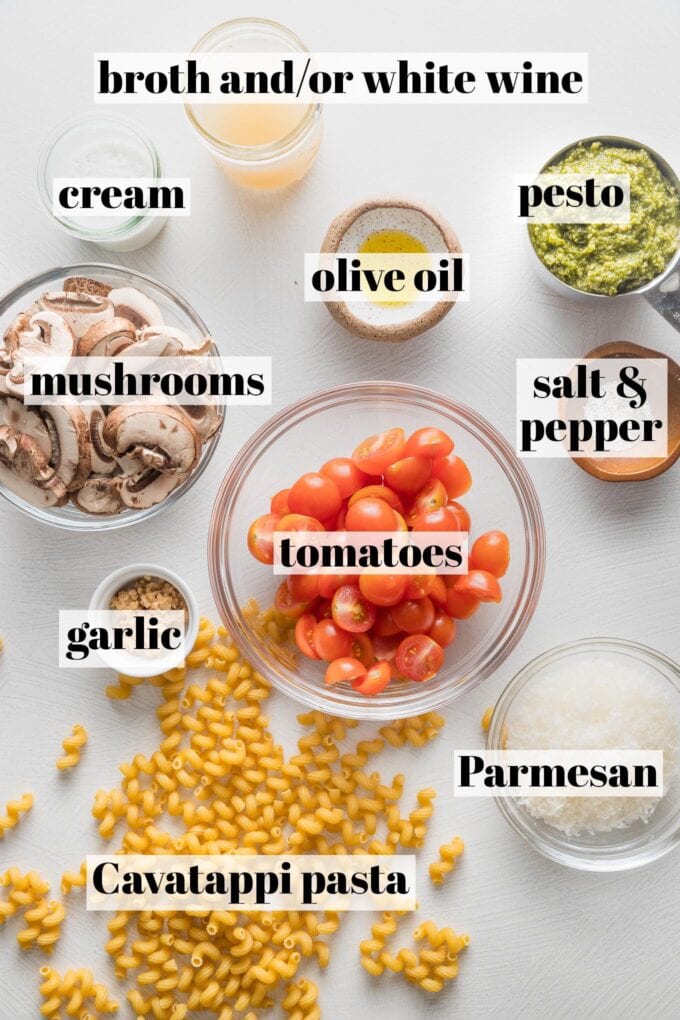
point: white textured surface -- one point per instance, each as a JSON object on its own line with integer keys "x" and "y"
{"x": 545, "y": 941}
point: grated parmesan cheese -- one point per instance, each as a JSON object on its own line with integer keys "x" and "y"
{"x": 596, "y": 703}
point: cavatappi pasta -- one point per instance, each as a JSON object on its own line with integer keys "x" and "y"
{"x": 448, "y": 855}
{"x": 429, "y": 968}
{"x": 26, "y": 894}
{"x": 72, "y": 745}
{"x": 75, "y": 994}
{"x": 14, "y": 809}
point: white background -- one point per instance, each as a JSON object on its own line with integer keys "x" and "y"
{"x": 545, "y": 941}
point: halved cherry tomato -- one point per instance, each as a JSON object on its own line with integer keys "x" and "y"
{"x": 419, "y": 657}
{"x": 346, "y": 475}
{"x": 480, "y": 583}
{"x": 303, "y": 587}
{"x": 382, "y": 492}
{"x": 351, "y": 610}
{"x": 375, "y": 681}
{"x": 376, "y": 453}
{"x": 409, "y": 474}
{"x": 491, "y": 552}
{"x": 315, "y": 495}
{"x": 299, "y": 522}
{"x": 459, "y": 605}
{"x": 370, "y": 515}
{"x": 384, "y": 625}
{"x": 442, "y": 519}
{"x": 345, "y": 668}
{"x": 329, "y": 641}
{"x": 443, "y": 630}
{"x": 454, "y": 473}
{"x": 429, "y": 442}
{"x": 287, "y": 605}
{"x": 414, "y": 616}
{"x": 461, "y": 515}
{"x": 383, "y": 589}
{"x": 431, "y": 497}
{"x": 419, "y": 585}
{"x": 438, "y": 592}
{"x": 279, "y": 503}
{"x": 260, "y": 538}
{"x": 329, "y": 583}
{"x": 362, "y": 649}
{"x": 304, "y": 630}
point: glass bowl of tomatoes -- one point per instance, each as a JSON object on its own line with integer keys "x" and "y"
{"x": 378, "y": 457}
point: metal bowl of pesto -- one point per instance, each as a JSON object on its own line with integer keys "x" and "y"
{"x": 603, "y": 259}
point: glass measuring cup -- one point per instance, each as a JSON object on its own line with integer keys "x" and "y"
{"x": 663, "y": 291}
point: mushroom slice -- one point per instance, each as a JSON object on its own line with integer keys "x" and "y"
{"x": 86, "y": 285}
{"x": 147, "y": 488}
{"x": 206, "y": 419}
{"x": 21, "y": 418}
{"x": 154, "y": 427}
{"x": 131, "y": 304}
{"x": 178, "y": 342}
{"x": 25, "y": 471}
{"x": 80, "y": 310}
{"x": 99, "y": 496}
{"x": 70, "y": 434}
{"x": 103, "y": 461}
{"x": 106, "y": 339}
{"x": 42, "y": 333}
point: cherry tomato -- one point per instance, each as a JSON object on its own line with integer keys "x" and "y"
{"x": 303, "y": 587}
{"x": 409, "y": 474}
{"x": 345, "y": 668}
{"x": 376, "y": 453}
{"x": 299, "y": 522}
{"x": 443, "y": 630}
{"x": 459, "y": 605}
{"x": 351, "y": 610}
{"x": 429, "y": 442}
{"x": 362, "y": 649}
{"x": 438, "y": 592}
{"x": 260, "y": 538}
{"x": 461, "y": 515}
{"x": 491, "y": 552}
{"x": 414, "y": 616}
{"x": 287, "y": 605}
{"x": 480, "y": 583}
{"x": 370, "y": 515}
{"x": 329, "y": 641}
{"x": 443, "y": 519}
{"x": 383, "y": 589}
{"x": 419, "y": 657}
{"x": 315, "y": 496}
{"x": 375, "y": 681}
{"x": 304, "y": 630}
{"x": 384, "y": 625}
{"x": 382, "y": 492}
{"x": 346, "y": 475}
{"x": 419, "y": 585}
{"x": 385, "y": 648}
{"x": 431, "y": 497}
{"x": 279, "y": 503}
{"x": 329, "y": 583}
{"x": 453, "y": 472}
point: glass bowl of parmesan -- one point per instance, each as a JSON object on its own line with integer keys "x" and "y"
{"x": 597, "y": 694}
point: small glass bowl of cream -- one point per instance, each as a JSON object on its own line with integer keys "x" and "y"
{"x": 99, "y": 146}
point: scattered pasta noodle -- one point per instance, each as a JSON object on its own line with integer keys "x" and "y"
{"x": 74, "y": 879}
{"x": 27, "y": 894}
{"x": 76, "y": 994}
{"x": 72, "y": 745}
{"x": 448, "y": 855}
{"x": 430, "y": 968}
{"x": 13, "y": 812}
{"x": 486, "y": 718}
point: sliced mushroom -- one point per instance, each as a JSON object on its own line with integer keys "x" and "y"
{"x": 26, "y": 472}
{"x": 18, "y": 416}
{"x": 99, "y": 496}
{"x": 149, "y": 487}
{"x": 80, "y": 310}
{"x": 103, "y": 461}
{"x": 153, "y": 427}
{"x": 107, "y": 339}
{"x": 131, "y": 304}
{"x": 178, "y": 342}
{"x": 206, "y": 419}
{"x": 42, "y": 333}
{"x": 86, "y": 285}
{"x": 70, "y": 434}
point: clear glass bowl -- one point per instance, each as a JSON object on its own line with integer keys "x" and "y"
{"x": 618, "y": 850}
{"x": 331, "y": 423}
{"x": 176, "y": 312}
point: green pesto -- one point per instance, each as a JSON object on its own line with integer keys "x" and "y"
{"x": 611, "y": 258}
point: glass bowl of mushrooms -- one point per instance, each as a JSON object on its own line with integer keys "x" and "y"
{"x": 90, "y": 467}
